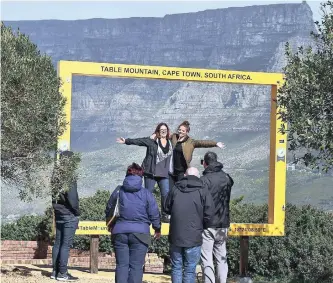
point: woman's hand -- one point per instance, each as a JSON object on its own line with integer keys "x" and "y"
{"x": 153, "y": 136}
{"x": 220, "y": 145}
{"x": 120, "y": 140}
{"x": 157, "y": 235}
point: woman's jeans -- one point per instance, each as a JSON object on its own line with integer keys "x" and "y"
{"x": 175, "y": 178}
{"x": 163, "y": 184}
{"x": 130, "y": 258}
{"x": 65, "y": 230}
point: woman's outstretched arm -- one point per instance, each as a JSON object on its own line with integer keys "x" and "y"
{"x": 138, "y": 141}
{"x": 207, "y": 144}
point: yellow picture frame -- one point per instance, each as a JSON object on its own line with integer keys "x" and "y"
{"x": 278, "y": 140}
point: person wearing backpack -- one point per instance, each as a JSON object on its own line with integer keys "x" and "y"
{"x": 136, "y": 209}
{"x": 214, "y": 236}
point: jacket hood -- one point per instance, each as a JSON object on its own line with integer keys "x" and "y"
{"x": 214, "y": 167}
{"x": 189, "y": 184}
{"x": 132, "y": 183}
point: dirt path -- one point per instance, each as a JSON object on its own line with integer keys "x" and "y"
{"x": 39, "y": 274}
{"x": 35, "y": 274}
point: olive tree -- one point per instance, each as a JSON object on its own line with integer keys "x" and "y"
{"x": 32, "y": 114}
{"x": 306, "y": 98}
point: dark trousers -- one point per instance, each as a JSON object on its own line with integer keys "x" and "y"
{"x": 163, "y": 184}
{"x": 130, "y": 258}
{"x": 65, "y": 230}
{"x": 174, "y": 179}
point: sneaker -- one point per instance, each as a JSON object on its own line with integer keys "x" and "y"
{"x": 53, "y": 274}
{"x": 66, "y": 277}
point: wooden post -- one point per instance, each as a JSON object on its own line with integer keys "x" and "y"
{"x": 244, "y": 256}
{"x": 94, "y": 243}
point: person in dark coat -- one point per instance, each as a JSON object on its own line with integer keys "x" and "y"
{"x": 219, "y": 185}
{"x": 191, "y": 207}
{"x": 157, "y": 162}
{"x": 138, "y": 209}
{"x": 65, "y": 203}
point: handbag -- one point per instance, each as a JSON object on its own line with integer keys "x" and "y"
{"x": 112, "y": 221}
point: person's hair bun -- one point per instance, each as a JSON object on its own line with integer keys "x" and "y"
{"x": 186, "y": 124}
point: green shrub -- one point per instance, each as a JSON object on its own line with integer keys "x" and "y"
{"x": 304, "y": 254}
{"x": 27, "y": 228}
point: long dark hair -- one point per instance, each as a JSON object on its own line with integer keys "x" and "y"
{"x": 157, "y": 130}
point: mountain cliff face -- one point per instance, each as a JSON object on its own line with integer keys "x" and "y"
{"x": 225, "y": 38}
{"x": 249, "y": 39}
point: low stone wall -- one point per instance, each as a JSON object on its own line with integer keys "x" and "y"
{"x": 40, "y": 253}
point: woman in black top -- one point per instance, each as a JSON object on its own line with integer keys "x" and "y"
{"x": 184, "y": 146}
{"x": 157, "y": 162}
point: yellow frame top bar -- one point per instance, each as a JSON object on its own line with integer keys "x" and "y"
{"x": 169, "y": 73}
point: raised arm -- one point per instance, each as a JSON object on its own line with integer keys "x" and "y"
{"x": 207, "y": 144}
{"x": 139, "y": 141}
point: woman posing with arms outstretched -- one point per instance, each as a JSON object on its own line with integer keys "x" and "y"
{"x": 157, "y": 162}
{"x": 183, "y": 147}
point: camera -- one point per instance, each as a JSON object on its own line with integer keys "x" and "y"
{"x": 202, "y": 161}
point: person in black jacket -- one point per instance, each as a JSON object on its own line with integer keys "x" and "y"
{"x": 191, "y": 207}
{"x": 157, "y": 162}
{"x": 65, "y": 202}
{"x": 219, "y": 184}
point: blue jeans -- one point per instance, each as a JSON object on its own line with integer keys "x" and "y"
{"x": 130, "y": 258}
{"x": 163, "y": 184}
{"x": 186, "y": 258}
{"x": 65, "y": 231}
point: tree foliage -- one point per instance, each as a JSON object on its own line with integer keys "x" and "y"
{"x": 307, "y": 96}
{"x": 32, "y": 113}
{"x": 65, "y": 172}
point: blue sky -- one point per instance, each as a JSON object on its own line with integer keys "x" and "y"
{"x": 73, "y": 10}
